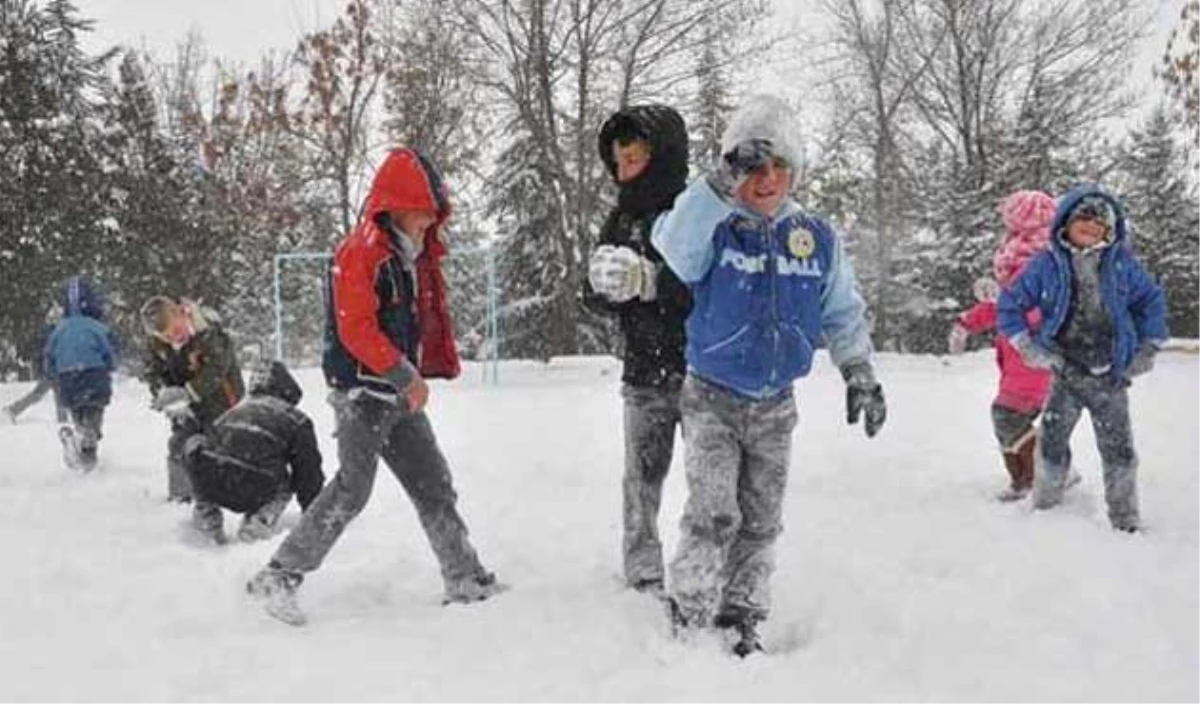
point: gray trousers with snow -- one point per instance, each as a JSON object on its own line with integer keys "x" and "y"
{"x": 737, "y": 453}
{"x": 179, "y": 487}
{"x": 651, "y": 415}
{"x": 368, "y": 429}
{"x": 1108, "y": 405}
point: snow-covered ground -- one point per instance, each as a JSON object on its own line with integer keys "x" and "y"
{"x": 899, "y": 577}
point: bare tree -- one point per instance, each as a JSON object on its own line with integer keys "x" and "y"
{"x": 345, "y": 66}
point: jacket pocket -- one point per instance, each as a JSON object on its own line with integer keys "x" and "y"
{"x": 721, "y": 347}
{"x": 794, "y": 358}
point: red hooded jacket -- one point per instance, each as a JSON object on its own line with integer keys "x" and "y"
{"x": 376, "y": 321}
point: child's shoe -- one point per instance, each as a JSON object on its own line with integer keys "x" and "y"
{"x": 275, "y": 590}
{"x": 471, "y": 589}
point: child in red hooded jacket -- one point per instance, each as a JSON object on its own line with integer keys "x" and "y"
{"x": 1023, "y": 389}
{"x": 387, "y": 329}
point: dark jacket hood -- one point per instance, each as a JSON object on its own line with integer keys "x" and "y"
{"x": 666, "y": 174}
{"x": 1069, "y": 201}
{"x": 274, "y": 379}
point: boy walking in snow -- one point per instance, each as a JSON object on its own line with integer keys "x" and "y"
{"x": 1103, "y": 321}
{"x": 80, "y": 357}
{"x": 645, "y": 150}
{"x": 257, "y": 455}
{"x": 769, "y": 283}
{"x": 194, "y": 377}
{"x": 388, "y": 328}
{"x": 1023, "y": 389}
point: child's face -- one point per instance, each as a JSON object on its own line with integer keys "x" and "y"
{"x": 631, "y": 159}
{"x": 414, "y": 223}
{"x": 1084, "y": 232}
{"x": 178, "y": 329}
{"x": 766, "y": 187}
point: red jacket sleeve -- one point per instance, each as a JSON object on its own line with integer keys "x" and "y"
{"x": 355, "y": 304}
{"x": 980, "y": 318}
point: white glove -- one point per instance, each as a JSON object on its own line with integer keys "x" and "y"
{"x": 621, "y": 274}
{"x": 174, "y": 401}
{"x": 958, "y": 339}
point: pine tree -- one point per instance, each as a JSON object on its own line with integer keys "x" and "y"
{"x": 1165, "y": 217}
{"x": 52, "y": 205}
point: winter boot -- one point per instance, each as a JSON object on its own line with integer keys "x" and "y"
{"x": 261, "y": 524}
{"x": 681, "y": 626}
{"x": 653, "y": 587}
{"x": 208, "y": 520}
{"x": 1016, "y": 490}
{"x": 275, "y": 590}
{"x": 742, "y": 625}
{"x": 1020, "y": 466}
{"x": 471, "y": 589}
{"x": 70, "y": 446}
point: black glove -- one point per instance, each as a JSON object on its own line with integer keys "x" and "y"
{"x": 736, "y": 165}
{"x": 864, "y": 395}
{"x": 1143, "y": 360}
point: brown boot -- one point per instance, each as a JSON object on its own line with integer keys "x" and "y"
{"x": 1027, "y": 453}
{"x": 1018, "y": 488}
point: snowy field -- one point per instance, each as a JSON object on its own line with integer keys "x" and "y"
{"x": 899, "y": 577}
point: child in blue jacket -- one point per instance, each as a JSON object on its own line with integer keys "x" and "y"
{"x": 1104, "y": 319}
{"x": 770, "y": 283}
{"x": 80, "y": 357}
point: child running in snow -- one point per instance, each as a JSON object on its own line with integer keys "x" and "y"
{"x": 645, "y": 149}
{"x": 770, "y": 283}
{"x": 388, "y": 328}
{"x": 1103, "y": 321}
{"x": 80, "y": 357}
{"x": 1023, "y": 389}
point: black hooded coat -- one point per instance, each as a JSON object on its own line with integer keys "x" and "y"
{"x": 653, "y": 330}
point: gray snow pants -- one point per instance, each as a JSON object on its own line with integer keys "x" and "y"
{"x": 651, "y": 415}
{"x": 367, "y": 429}
{"x": 89, "y": 423}
{"x": 737, "y": 453}
{"x": 179, "y": 488}
{"x": 1107, "y": 403}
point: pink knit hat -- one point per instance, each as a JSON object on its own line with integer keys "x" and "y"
{"x": 1027, "y": 216}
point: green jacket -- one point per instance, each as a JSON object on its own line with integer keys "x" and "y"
{"x": 206, "y": 366}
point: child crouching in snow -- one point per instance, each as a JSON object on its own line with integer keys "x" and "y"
{"x": 257, "y": 455}
{"x": 1023, "y": 389}
{"x": 769, "y": 284}
{"x": 1103, "y": 321}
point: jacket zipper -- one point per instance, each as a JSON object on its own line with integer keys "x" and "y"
{"x": 773, "y": 275}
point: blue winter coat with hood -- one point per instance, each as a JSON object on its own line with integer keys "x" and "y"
{"x": 767, "y": 290}
{"x": 1133, "y": 300}
{"x": 81, "y": 353}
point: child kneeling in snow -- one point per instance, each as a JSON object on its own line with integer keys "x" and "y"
{"x": 1023, "y": 389}
{"x": 256, "y": 456}
{"x": 769, "y": 283}
{"x": 1103, "y": 321}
